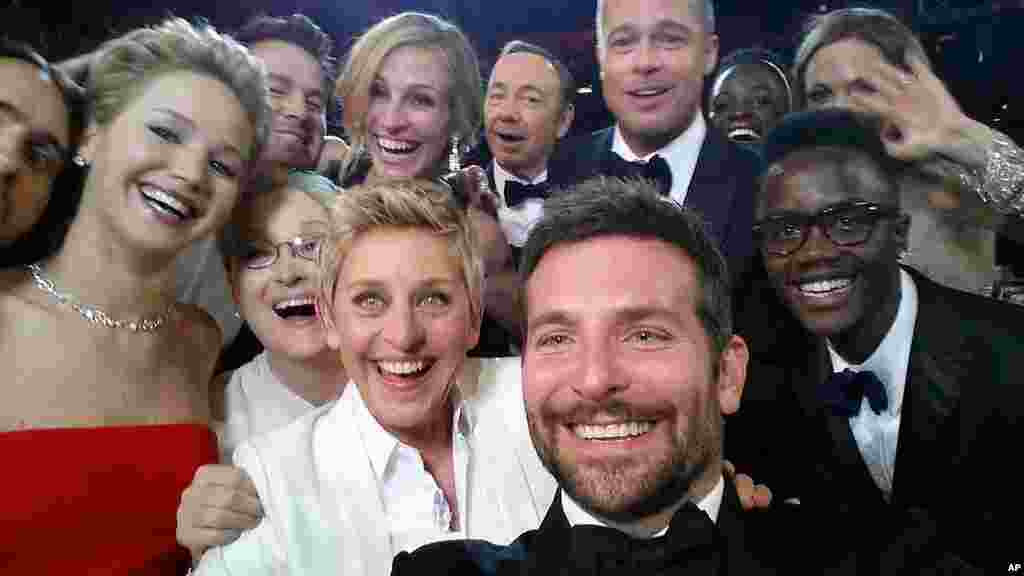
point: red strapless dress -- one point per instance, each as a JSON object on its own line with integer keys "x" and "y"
{"x": 92, "y": 501}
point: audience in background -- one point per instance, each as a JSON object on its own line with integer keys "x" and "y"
{"x": 106, "y": 374}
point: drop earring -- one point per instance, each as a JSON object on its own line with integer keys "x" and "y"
{"x": 80, "y": 161}
{"x": 454, "y": 156}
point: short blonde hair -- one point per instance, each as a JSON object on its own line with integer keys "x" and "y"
{"x": 124, "y": 66}
{"x": 465, "y": 98}
{"x": 400, "y": 203}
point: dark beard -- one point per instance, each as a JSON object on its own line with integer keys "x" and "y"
{"x": 627, "y": 498}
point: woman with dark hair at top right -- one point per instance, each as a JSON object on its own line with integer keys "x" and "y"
{"x": 968, "y": 174}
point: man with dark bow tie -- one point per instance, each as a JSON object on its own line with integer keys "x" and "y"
{"x": 653, "y": 57}
{"x": 905, "y": 394}
{"x": 625, "y": 382}
{"x": 527, "y": 109}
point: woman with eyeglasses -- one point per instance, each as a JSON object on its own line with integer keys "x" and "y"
{"x": 105, "y": 415}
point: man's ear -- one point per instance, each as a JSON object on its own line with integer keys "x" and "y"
{"x": 88, "y": 143}
{"x": 710, "y": 54}
{"x": 732, "y": 374}
{"x": 565, "y": 121}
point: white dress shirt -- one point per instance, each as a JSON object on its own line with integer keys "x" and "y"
{"x": 256, "y": 402}
{"x": 876, "y": 434}
{"x": 416, "y": 508}
{"x": 576, "y": 514}
{"x": 680, "y": 154}
{"x": 516, "y": 221}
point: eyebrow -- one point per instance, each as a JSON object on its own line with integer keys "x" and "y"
{"x": 316, "y": 91}
{"x": 37, "y": 134}
{"x": 226, "y": 146}
{"x": 408, "y": 87}
{"x": 624, "y": 315}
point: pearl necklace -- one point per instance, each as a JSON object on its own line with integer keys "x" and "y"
{"x": 92, "y": 313}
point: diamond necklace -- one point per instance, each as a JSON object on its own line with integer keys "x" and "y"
{"x": 93, "y": 314}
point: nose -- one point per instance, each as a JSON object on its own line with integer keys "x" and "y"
{"x": 288, "y": 270}
{"x": 293, "y": 104}
{"x": 394, "y": 118}
{"x": 403, "y": 329}
{"x": 598, "y": 378}
{"x": 816, "y": 247}
{"x": 190, "y": 162}
{"x": 508, "y": 110}
{"x": 646, "y": 58}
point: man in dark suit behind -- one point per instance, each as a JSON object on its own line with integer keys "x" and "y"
{"x": 625, "y": 383}
{"x": 918, "y": 450}
{"x": 527, "y": 109}
{"x": 653, "y": 56}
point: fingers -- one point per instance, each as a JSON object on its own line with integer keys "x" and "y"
{"x": 745, "y": 490}
{"x": 211, "y": 504}
{"x": 762, "y": 496}
{"x": 223, "y": 475}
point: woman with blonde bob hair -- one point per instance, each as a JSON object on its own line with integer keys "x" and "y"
{"x": 422, "y": 444}
{"x": 107, "y": 376}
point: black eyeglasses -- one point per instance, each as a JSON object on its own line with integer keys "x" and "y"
{"x": 847, "y": 224}
{"x": 261, "y": 254}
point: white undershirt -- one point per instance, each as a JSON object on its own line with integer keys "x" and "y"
{"x": 876, "y": 434}
{"x": 415, "y": 506}
{"x": 516, "y": 221}
{"x": 577, "y": 515}
{"x": 680, "y": 154}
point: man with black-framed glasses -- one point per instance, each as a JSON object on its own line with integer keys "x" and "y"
{"x": 896, "y": 411}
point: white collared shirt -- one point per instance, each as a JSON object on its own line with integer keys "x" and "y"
{"x": 577, "y": 515}
{"x": 877, "y": 434}
{"x": 415, "y": 506}
{"x": 680, "y": 154}
{"x": 516, "y": 221}
{"x": 256, "y": 402}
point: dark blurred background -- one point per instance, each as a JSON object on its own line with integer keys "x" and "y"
{"x": 976, "y": 46}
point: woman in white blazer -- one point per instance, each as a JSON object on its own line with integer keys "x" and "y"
{"x": 426, "y": 445}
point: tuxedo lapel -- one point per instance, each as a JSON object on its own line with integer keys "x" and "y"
{"x": 706, "y": 194}
{"x": 940, "y": 359}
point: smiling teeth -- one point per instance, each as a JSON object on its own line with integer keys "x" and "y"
{"x": 294, "y": 302}
{"x": 159, "y": 195}
{"x": 611, "y": 431}
{"x": 396, "y": 145}
{"x": 822, "y": 286}
{"x": 745, "y": 134}
{"x": 402, "y": 367}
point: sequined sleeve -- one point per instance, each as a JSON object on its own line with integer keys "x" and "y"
{"x": 1001, "y": 183}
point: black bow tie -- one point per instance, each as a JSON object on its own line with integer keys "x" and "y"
{"x": 843, "y": 391}
{"x": 656, "y": 169}
{"x": 689, "y": 543}
{"x": 516, "y": 192}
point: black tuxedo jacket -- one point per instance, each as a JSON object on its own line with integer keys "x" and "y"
{"x": 722, "y": 187}
{"x": 765, "y": 541}
{"x": 956, "y": 487}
